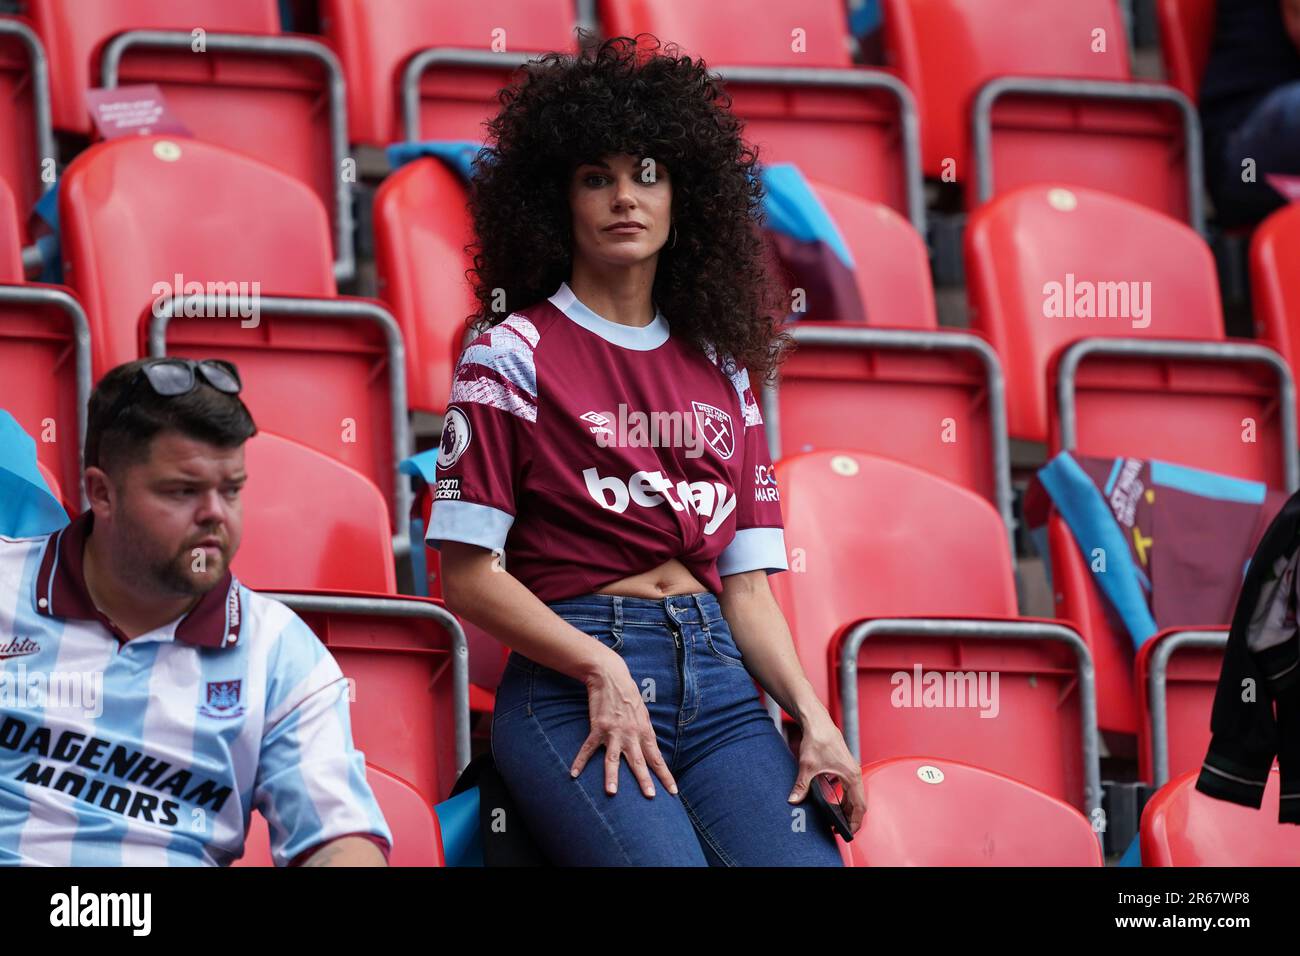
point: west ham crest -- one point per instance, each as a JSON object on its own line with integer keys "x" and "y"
{"x": 715, "y": 425}
{"x": 222, "y": 699}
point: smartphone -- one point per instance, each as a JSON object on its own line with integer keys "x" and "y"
{"x": 823, "y": 795}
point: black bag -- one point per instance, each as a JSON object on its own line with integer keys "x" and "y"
{"x": 505, "y": 837}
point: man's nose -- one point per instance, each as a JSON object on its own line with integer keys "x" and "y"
{"x": 211, "y": 508}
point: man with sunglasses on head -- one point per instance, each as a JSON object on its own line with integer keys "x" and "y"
{"x": 148, "y": 700}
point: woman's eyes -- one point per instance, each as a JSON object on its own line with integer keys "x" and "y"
{"x": 587, "y": 180}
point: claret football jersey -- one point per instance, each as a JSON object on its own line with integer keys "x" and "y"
{"x": 586, "y": 450}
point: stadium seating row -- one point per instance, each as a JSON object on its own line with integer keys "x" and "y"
{"x": 1005, "y": 94}
{"x": 168, "y": 198}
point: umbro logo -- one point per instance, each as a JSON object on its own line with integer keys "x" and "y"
{"x": 598, "y": 423}
{"x": 19, "y": 647}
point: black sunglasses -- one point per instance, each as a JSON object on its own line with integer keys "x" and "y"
{"x": 170, "y": 377}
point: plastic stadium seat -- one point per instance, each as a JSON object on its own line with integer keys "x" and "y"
{"x": 890, "y": 261}
{"x": 417, "y": 840}
{"x": 377, "y": 41}
{"x": 24, "y": 115}
{"x": 1177, "y": 678}
{"x": 1174, "y": 405}
{"x": 794, "y": 84}
{"x": 922, "y": 395}
{"x": 422, "y": 226}
{"x": 1275, "y": 281}
{"x": 250, "y": 87}
{"x": 51, "y": 480}
{"x": 141, "y": 214}
{"x": 410, "y": 712}
{"x": 956, "y": 55}
{"x": 75, "y": 34}
{"x": 1186, "y": 36}
{"x": 45, "y": 358}
{"x": 311, "y": 522}
{"x": 1183, "y": 827}
{"x": 136, "y": 211}
{"x": 1078, "y": 600}
{"x": 1184, "y": 401}
{"x": 924, "y": 564}
{"x": 11, "y": 244}
{"x": 926, "y": 811}
{"x": 487, "y": 655}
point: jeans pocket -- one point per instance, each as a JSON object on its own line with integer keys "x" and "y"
{"x": 515, "y": 689}
{"x": 611, "y": 635}
{"x": 721, "y": 644}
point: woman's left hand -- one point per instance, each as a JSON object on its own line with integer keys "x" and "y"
{"x": 823, "y": 750}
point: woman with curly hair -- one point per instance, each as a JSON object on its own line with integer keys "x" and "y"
{"x": 603, "y": 438}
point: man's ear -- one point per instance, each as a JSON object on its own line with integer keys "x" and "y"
{"x": 99, "y": 491}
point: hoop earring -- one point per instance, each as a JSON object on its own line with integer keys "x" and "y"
{"x": 673, "y": 244}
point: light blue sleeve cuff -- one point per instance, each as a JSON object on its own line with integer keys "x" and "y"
{"x": 752, "y": 549}
{"x": 465, "y": 521}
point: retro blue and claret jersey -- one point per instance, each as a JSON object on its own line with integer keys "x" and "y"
{"x": 154, "y": 751}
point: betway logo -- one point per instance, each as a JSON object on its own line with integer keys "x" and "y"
{"x": 649, "y": 489}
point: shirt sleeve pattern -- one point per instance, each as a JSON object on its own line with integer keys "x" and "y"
{"x": 311, "y": 781}
{"x": 485, "y": 438}
{"x": 760, "y": 536}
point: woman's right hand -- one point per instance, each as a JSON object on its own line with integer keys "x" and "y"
{"x": 621, "y": 723}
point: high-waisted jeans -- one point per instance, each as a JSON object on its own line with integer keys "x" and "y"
{"x": 734, "y": 771}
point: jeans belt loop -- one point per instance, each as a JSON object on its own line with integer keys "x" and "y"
{"x": 618, "y": 613}
{"x": 704, "y": 617}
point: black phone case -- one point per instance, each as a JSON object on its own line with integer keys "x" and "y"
{"x": 831, "y": 811}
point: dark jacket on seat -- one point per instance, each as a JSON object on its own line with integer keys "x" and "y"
{"x": 1256, "y": 714}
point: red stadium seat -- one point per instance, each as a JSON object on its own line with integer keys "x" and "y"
{"x": 1182, "y": 400}
{"x": 1177, "y": 677}
{"x": 928, "y": 811}
{"x": 1169, "y": 728}
{"x": 890, "y": 261}
{"x": 794, "y": 85}
{"x": 137, "y": 213}
{"x": 1077, "y": 599}
{"x": 51, "y": 480}
{"x": 405, "y": 656}
{"x": 1032, "y": 75}
{"x": 1186, "y": 36}
{"x": 45, "y": 357}
{"x": 904, "y": 388}
{"x": 11, "y": 244}
{"x": 311, "y": 522}
{"x": 249, "y": 87}
{"x": 422, "y": 226}
{"x": 900, "y": 570}
{"x": 1041, "y": 250}
{"x": 417, "y": 840}
{"x": 24, "y": 118}
{"x": 1183, "y": 827}
{"x": 377, "y": 42}
{"x": 1275, "y": 281}
{"x": 487, "y": 655}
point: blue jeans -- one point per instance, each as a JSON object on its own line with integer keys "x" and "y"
{"x": 733, "y": 769}
{"x": 1270, "y": 135}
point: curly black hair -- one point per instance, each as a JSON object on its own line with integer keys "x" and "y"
{"x": 719, "y": 285}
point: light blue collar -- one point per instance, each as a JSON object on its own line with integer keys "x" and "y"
{"x": 641, "y": 339}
